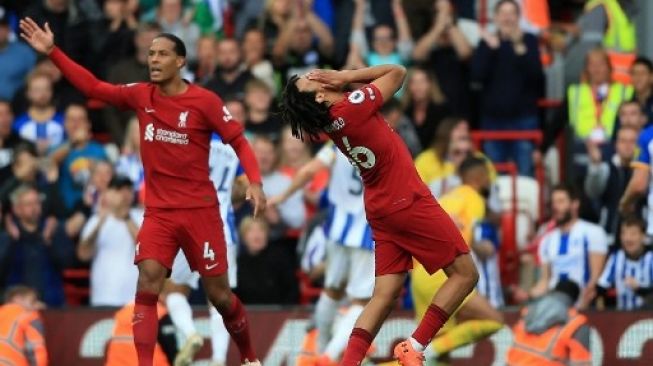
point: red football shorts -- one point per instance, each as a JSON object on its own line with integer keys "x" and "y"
{"x": 198, "y": 231}
{"x": 424, "y": 231}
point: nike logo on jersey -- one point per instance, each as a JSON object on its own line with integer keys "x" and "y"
{"x": 210, "y": 267}
{"x": 149, "y": 110}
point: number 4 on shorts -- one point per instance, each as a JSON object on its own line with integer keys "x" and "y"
{"x": 208, "y": 252}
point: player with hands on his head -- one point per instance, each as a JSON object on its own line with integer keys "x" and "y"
{"x": 406, "y": 220}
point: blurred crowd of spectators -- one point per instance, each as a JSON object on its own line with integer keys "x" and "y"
{"x": 70, "y": 170}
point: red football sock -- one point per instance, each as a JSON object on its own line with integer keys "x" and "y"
{"x": 145, "y": 327}
{"x": 359, "y": 343}
{"x": 235, "y": 320}
{"x": 431, "y": 323}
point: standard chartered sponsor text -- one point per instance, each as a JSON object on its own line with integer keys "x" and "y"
{"x": 171, "y": 137}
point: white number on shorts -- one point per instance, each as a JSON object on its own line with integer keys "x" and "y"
{"x": 208, "y": 252}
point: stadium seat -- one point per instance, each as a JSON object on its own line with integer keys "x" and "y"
{"x": 528, "y": 204}
{"x": 76, "y": 288}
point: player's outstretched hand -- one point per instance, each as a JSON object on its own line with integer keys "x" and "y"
{"x": 41, "y": 39}
{"x": 332, "y": 79}
{"x": 256, "y": 197}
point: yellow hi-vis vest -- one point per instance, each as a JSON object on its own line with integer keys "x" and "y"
{"x": 620, "y": 39}
{"x": 583, "y": 113}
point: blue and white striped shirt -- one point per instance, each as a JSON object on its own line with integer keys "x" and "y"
{"x": 489, "y": 279}
{"x": 618, "y": 268}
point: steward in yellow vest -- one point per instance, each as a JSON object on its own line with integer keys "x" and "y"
{"x": 620, "y": 38}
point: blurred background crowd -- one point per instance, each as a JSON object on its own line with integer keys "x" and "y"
{"x": 546, "y": 92}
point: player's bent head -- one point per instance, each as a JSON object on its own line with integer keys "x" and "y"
{"x": 166, "y": 57}
{"x": 302, "y": 109}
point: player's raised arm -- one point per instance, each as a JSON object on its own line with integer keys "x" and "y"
{"x": 42, "y": 40}
{"x": 387, "y": 78}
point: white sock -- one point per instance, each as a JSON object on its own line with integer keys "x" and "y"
{"x": 416, "y": 345}
{"x": 325, "y": 313}
{"x": 429, "y": 352}
{"x": 181, "y": 313}
{"x": 341, "y": 335}
{"x": 219, "y": 337}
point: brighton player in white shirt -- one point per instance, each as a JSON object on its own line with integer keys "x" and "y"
{"x": 225, "y": 171}
{"x": 575, "y": 250}
{"x": 349, "y": 252}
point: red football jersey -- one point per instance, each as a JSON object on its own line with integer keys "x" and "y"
{"x": 175, "y": 136}
{"x": 385, "y": 164}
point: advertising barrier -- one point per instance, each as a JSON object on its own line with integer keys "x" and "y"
{"x": 79, "y": 337}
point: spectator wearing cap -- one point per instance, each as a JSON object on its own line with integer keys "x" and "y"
{"x": 38, "y": 249}
{"x": 16, "y": 60}
{"x": 108, "y": 241}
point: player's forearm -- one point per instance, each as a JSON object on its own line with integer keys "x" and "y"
{"x": 247, "y": 159}
{"x": 597, "y": 260}
{"x": 81, "y": 78}
{"x": 369, "y": 74}
{"x": 301, "y": 179}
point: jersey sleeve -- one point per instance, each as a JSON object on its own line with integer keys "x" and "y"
{"x": 644, "y": 158}
{"x": 220, "y": 120}
{"x": 542, "y": 250}
{"x": 598, "y": 241}
{"x": 607, "y": 277}
{"x": 362, "y": 103}
{"x": 121, "y": 96}
{"x": 91, "y": 224}
{"x": 327, "y": 154}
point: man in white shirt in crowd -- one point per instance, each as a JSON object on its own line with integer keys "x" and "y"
{"x": 575, "y": 250}
{"x": 108, "y": 240}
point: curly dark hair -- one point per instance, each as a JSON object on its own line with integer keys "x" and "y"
{"x": 302, "y": 112}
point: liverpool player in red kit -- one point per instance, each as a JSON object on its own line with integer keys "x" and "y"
{"x": 406, "y": 220}
{"x": 176, "y": 121}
